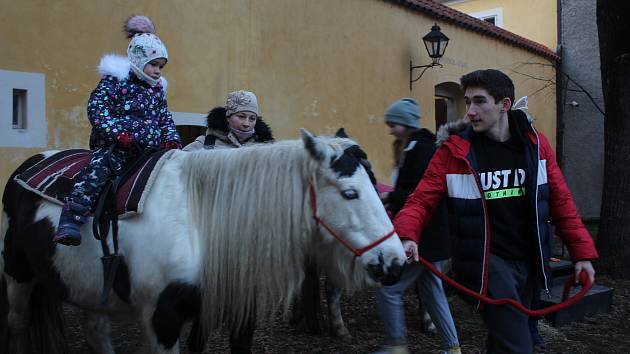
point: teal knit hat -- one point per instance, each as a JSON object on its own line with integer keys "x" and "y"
{"x": 405, "y": 111}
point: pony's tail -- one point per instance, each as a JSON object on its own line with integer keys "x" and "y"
{"x": 45, "y": 332}
{"x": 47, "y": 325}
{"x": 4, "y": 300}
{"x": 4, "y": 316}
{"x": 46, "y": 329}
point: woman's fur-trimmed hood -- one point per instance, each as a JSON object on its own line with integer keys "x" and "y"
{"x": 217, "y": 123}
{"x": 119, "y": 67}
{"x": 461, "y": 125}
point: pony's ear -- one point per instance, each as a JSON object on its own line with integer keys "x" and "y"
{"x": 312, "y": 145}
{"x": 341, "y": 133}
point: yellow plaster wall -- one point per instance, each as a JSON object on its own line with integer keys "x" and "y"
{"x": 533, "y": 19}
{"x": 316, "y": 64}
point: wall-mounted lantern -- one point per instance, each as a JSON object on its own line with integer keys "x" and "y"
{"x": 435, "y": 42}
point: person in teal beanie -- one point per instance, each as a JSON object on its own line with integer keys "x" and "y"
{"x": 413, "y": 149}
{"x": 405, "y": 112}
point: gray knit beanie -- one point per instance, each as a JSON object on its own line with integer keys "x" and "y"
{"x": 405, "y": 111}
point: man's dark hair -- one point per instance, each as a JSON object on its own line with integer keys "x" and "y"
{"x": 495, "y": 82}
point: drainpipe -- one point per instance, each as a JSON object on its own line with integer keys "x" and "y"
{"x": 560, "y": 92}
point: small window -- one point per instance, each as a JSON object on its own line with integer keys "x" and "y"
{"x": 493, "y": 16}
{"x": 23, "y": 110}
{"x": 19, "y": 108}
{"x": 491, "y": 20}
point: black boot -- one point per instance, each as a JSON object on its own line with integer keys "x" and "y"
{"x": 72, "y": 217}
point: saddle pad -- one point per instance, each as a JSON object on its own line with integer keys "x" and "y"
{"x": 54, "y": 177}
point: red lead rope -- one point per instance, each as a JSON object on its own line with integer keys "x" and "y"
{"x": 357, "y": 251}
{"x": 566, "y": 301}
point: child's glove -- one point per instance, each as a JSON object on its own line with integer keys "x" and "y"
{"x": 172, "y": 144}
{"x": 124, "y": 140}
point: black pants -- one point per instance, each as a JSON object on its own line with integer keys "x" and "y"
{"x": 508, "y": 329}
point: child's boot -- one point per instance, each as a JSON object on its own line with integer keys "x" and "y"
{"x": 72, "y": 217}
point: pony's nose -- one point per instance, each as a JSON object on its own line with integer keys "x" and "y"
{"x": 377, "y": 270}
{"x": 391, "y": 276}
{"x": 394, "y": 271}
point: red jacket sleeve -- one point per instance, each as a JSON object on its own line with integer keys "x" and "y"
{"x": 421, "y": 204}
{"x": 563, "y": 212}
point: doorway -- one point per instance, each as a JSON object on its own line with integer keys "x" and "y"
{"x": 449, "y": 103}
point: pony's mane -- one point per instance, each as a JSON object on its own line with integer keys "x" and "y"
{"x": 252, "y": 261}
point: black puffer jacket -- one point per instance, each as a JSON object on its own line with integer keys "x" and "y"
{"x": 415, "y": 160}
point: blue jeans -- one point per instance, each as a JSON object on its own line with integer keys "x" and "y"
{"x": 391, "y": 311}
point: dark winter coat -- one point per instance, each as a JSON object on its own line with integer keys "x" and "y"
{"x": 123, "y": 103}
{"x": 435, "y": 245}
{"x": 218, "y": 135}
{"x": 452, "y": 173}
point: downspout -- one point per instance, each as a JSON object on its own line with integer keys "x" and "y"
{"x": 560, "y": 99}
{"x": 560, "y": 91}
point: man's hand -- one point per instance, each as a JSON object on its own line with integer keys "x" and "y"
{"x": 411, "y": 250}
{"x": 586, "y": 266}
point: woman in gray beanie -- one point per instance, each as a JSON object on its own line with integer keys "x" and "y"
{"x": 413, "y": 149}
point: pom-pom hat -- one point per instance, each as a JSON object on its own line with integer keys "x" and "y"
{"x": 144, "y": 45}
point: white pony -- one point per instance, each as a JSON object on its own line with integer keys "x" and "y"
{"x": 223, "y": 234}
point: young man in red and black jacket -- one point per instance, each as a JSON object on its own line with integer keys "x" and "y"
{"x": 503, "y": 186}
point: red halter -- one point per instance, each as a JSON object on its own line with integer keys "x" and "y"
{"x": 357, "y": 252}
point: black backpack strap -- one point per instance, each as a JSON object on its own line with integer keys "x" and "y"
{"x": 208, "y": 143}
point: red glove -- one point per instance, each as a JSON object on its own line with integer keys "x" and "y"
{"x": 124, "y": 140}
{"x": 173, "y": 144}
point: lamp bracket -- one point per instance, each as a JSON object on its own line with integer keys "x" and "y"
{"x": 412, "y": 68}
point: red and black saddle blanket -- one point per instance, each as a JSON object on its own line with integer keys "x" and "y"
{"x": 53, "y": 179}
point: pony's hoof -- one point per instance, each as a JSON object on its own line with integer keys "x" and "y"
{"x": 344, "y": 335}
{"x": 346, "y": 338}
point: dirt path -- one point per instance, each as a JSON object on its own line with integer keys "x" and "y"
{"x": 607, "y": 333}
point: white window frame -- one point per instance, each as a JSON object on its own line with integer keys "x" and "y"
{"x": 35, "y": 128}
{"x": 452, "y": 2}
{"x": 497, "y": 13}
{"x": 21, "y": 109}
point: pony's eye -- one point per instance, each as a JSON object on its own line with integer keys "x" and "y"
{"x": 350, "y": 194}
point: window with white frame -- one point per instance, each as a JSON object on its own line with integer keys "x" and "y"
{"x": 19, "y": 109}
{"x": 22, "y": 109}
{"x": 493, "y": 16}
